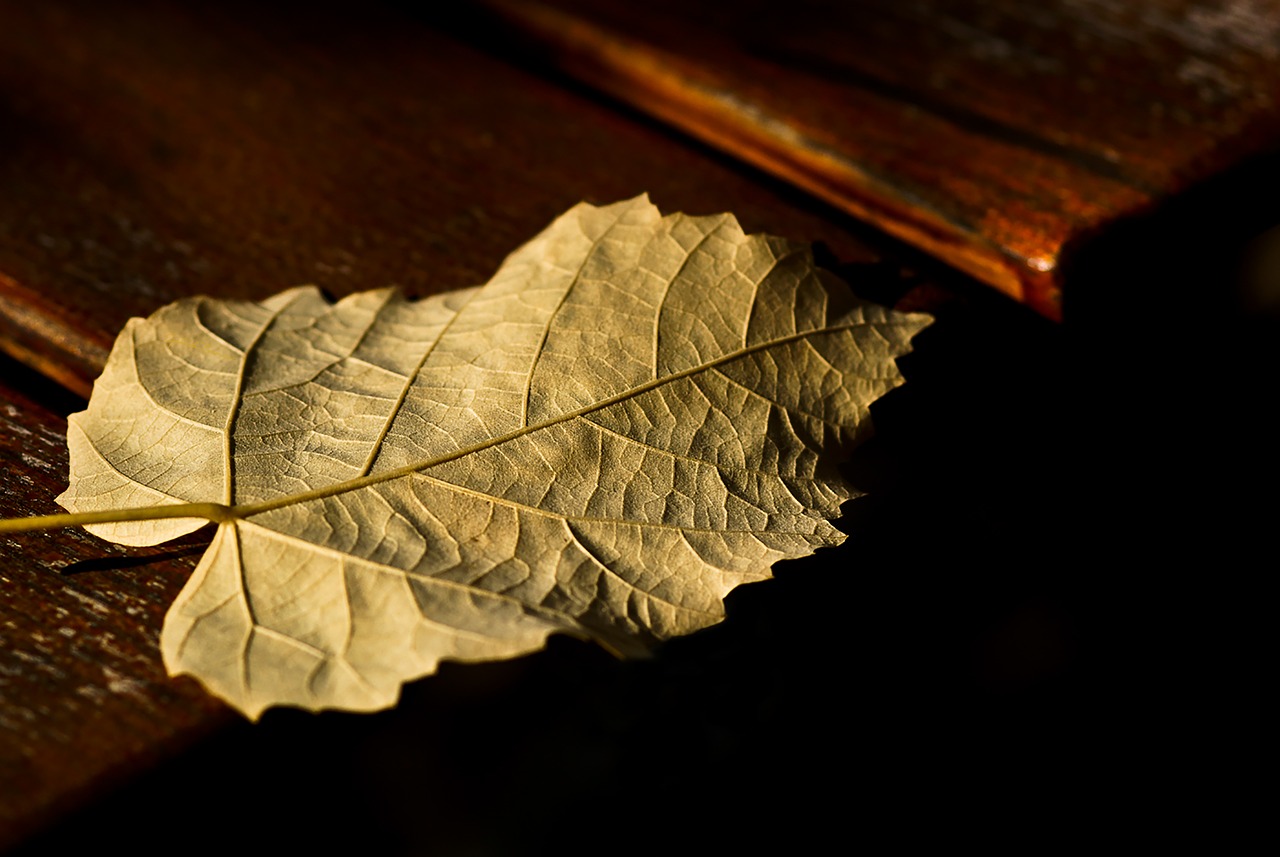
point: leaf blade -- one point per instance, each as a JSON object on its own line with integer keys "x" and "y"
{"x": 635, "y": 415}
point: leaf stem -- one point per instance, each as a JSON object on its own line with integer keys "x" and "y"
{"x": 216, "y": 512}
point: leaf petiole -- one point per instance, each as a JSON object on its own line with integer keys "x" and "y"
{"x": 215, "y": 512}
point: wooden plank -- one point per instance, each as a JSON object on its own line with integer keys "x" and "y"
{"x": 84, "y": 700}
{"x": 952, "y": 663}
{"x": 946, "y": 652}
{"x": 165, "y": 149}
{"x": 992, "y": 134}
{"x": 159, "y": 150}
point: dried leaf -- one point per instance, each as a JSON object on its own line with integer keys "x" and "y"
{"x": 634, "y": 416}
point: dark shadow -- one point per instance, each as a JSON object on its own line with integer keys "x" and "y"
{"x": 1169, "y": 309}
{"x": 1176, "y": 343}
{"x": 50, "y": 395}
{"x": 1001, "y": 636}
{"x": 123, "y": 563}
{"x": 1180, "y": 260}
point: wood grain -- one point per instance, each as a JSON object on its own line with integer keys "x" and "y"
{"x": 154, "y": 150}
{"x": 991, "y": 133}
{"x": 972, "y": 658}
{"x": 84, "y": 699}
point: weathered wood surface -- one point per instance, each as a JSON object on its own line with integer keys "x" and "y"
{"x": 992, "y": 133}
{"x": 974, "y": 655}
{"x": 153, "y": 150}
{"x": 84, "y": 699}
{"x": 967, "y": 657}
{"x": 150, "y": 151}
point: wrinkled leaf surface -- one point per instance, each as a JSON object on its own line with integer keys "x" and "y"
{"x": 635, "y": 415}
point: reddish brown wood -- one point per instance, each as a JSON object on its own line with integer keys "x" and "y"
{"x": 150, "y": 151}
{"x": 84, "y": 699}
{"x": 154, "y": 150}
{"x": 991, "y": 133}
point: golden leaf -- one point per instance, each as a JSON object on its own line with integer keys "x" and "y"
{"x": 635, "y": 415}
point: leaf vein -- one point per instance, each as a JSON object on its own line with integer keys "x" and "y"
{"x": 386, "y": 476}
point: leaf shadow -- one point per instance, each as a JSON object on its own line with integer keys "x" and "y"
{"x": 191, "y": 545}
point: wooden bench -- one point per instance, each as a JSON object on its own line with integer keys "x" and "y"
{"x": 951, "y": 656}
